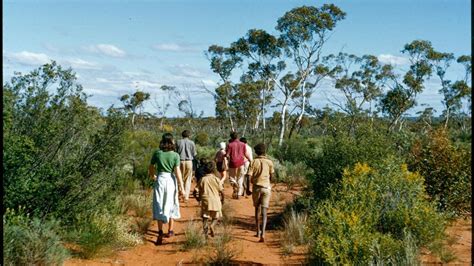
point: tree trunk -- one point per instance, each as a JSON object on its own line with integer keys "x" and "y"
{"x": 133, "y": 121}
{"x": 447, "y": 118}
{"x": 245, "y": 127}
{"x": 282, "y": 123}
{"x": 303, "y": 88}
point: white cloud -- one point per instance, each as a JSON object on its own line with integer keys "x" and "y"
{"x": 27, "y": 58}
{"x": 185, "y": 70}
{"x": 77, "y": 63}
{"x": 209, "y": 83}
{"x": 106, "y": 49}
{"x": 174, "y": 47}
{"x": 393, "y": 59}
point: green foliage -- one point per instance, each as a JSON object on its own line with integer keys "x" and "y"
{"x": 31, "y": 241}
{"x": 293, "y": 233}
{"x": 205, "y": 152}
{"x": 59, "y": 153}
{"x": 292, "y": 173}
{"x": 340, "y": 151}
{"x": 446, "y": 169}
{"x": 202, "y": 138}
{"x": 298, "y": 150}
{"x": 223, "y": 251}
{"x": 140, "y": 145}
{"x": 193, "y": 236}
{"x": 101, "y": 232}
{"x": 377, "y": 216}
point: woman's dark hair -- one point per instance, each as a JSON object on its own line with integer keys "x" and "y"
{"x": 244, "y": 140}
{"x": 260, "y": 149}
{"x": 209, "y": 167}
{"x": 166, "y": 143}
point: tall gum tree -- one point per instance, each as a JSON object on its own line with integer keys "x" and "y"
{"x": 361, "y": 81}
{"x": 261, "y": 51}
{"x": 402, "y": 94}
{"x": 223, "y": 61}
{"x": 304, "y": 31}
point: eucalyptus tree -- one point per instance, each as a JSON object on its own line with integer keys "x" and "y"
{"x": 223, "y": 61}
{"x": 304, "y": 31}
{"x": 261, "y": 51}
{"x": 402, "y": 94}
{"x": 247, "y": 100}
{"x": 452, "y": 99}
{"x": 361, "y": 81}
{"x": 134, "y": 103}
{"x": 466, "y": 61}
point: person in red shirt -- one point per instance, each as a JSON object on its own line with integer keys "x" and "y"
{"x": 236, "y": 152}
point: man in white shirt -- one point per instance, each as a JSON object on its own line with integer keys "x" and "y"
{"x": 249, "y": 155}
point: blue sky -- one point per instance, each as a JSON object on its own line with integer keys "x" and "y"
{"x": 116, "y": 47}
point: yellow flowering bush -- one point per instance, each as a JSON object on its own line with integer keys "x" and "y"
{"x": 376, "y": 216}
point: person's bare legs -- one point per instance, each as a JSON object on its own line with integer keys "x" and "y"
{"x": 159, "y": 239}
{"x": 257, "y": 213}
{"x": 214, "y": 221}
{"x": 264, "y": 224}
{"x": 170, "y": 227}
{"x": 205, "y": 226}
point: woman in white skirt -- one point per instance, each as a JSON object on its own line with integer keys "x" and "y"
{"x": 165, "y": 162}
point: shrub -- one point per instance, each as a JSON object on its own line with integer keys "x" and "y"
{"x": 60, "y": 154}
{"x": 297, "y": 150}
{"x": 375, "y": 215}
{"x": 202, "y": 139}
{"x": 340, "y": 151}
{"x": 223, "y": 251}
{"x": 446, "y": 169}
{"x": 205, "y": 152}
{"x": 33, "y": 241}
{"x": 193, "y": 236}
{"x": 102, "y": 232}
{"x": 293, "y": 231}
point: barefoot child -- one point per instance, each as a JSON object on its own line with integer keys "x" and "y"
{"x": 260, "y": 174}
{"x": 210, "y": 188}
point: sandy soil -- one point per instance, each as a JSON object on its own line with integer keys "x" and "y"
{"x": 459, "y": 242}
{"x": 251, "y": 251}
{"x": 243, "y": 231}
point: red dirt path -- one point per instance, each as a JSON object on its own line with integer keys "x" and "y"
{"x": 253, "y": 252}
{"x": 243, "y": 231}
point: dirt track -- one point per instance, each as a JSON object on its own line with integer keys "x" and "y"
{"x": 251, "y": 251}
{"x": 243, "y": 231}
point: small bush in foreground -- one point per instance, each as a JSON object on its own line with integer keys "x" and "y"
{"x": 376, "y": 216}
{"x": 193, "y": 236}
{"x": 103, "y": 232}
{"x": 31, "y": 241}
{"x": 293, "y": 231}
{"x": 223, "y": 252}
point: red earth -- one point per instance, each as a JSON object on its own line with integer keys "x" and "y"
{"x": 249, "y": 250}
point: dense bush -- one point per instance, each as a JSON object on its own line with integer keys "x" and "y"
{"x": 377, "y": 216}
{"x": 59, "y": 153}
{"x": 446, "y": 169}
{"x": 102, "y": 232}
{"x": 205, "y": 152}
{"x": 33, "y": 241}
{"x": 291, "y": 173}
{"x": 140, "y": 145}
{"x": 202, "y": 139}
{"x": 298, "y": 150}
{"x": 342, "y": 150}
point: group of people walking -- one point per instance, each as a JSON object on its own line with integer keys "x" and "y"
{"x": 173, "y": 167}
